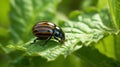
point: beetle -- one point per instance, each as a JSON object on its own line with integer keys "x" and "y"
{"x": 45, "y": 30}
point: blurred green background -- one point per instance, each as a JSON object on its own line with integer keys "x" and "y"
{"x": 18, "y": 16}
{"x": 4, "y": 19}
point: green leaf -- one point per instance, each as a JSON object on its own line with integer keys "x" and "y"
{"x": 115, "y": 11}
{"x": 110, "y": 45}
{"x": 95, "y": 58}
{"x": 50, "y": 51}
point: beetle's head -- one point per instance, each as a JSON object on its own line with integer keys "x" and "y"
{"x": 59, "y": 34}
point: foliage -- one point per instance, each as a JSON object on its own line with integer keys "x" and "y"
{"x": 92, "y": 38}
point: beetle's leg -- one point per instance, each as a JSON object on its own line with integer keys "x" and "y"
{"x": 47, "y": 40}
{"x": 56, "y": 38}
{"x": 34, "y": 41}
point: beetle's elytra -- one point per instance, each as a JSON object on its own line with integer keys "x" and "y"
{"x": 46, "y": 30}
